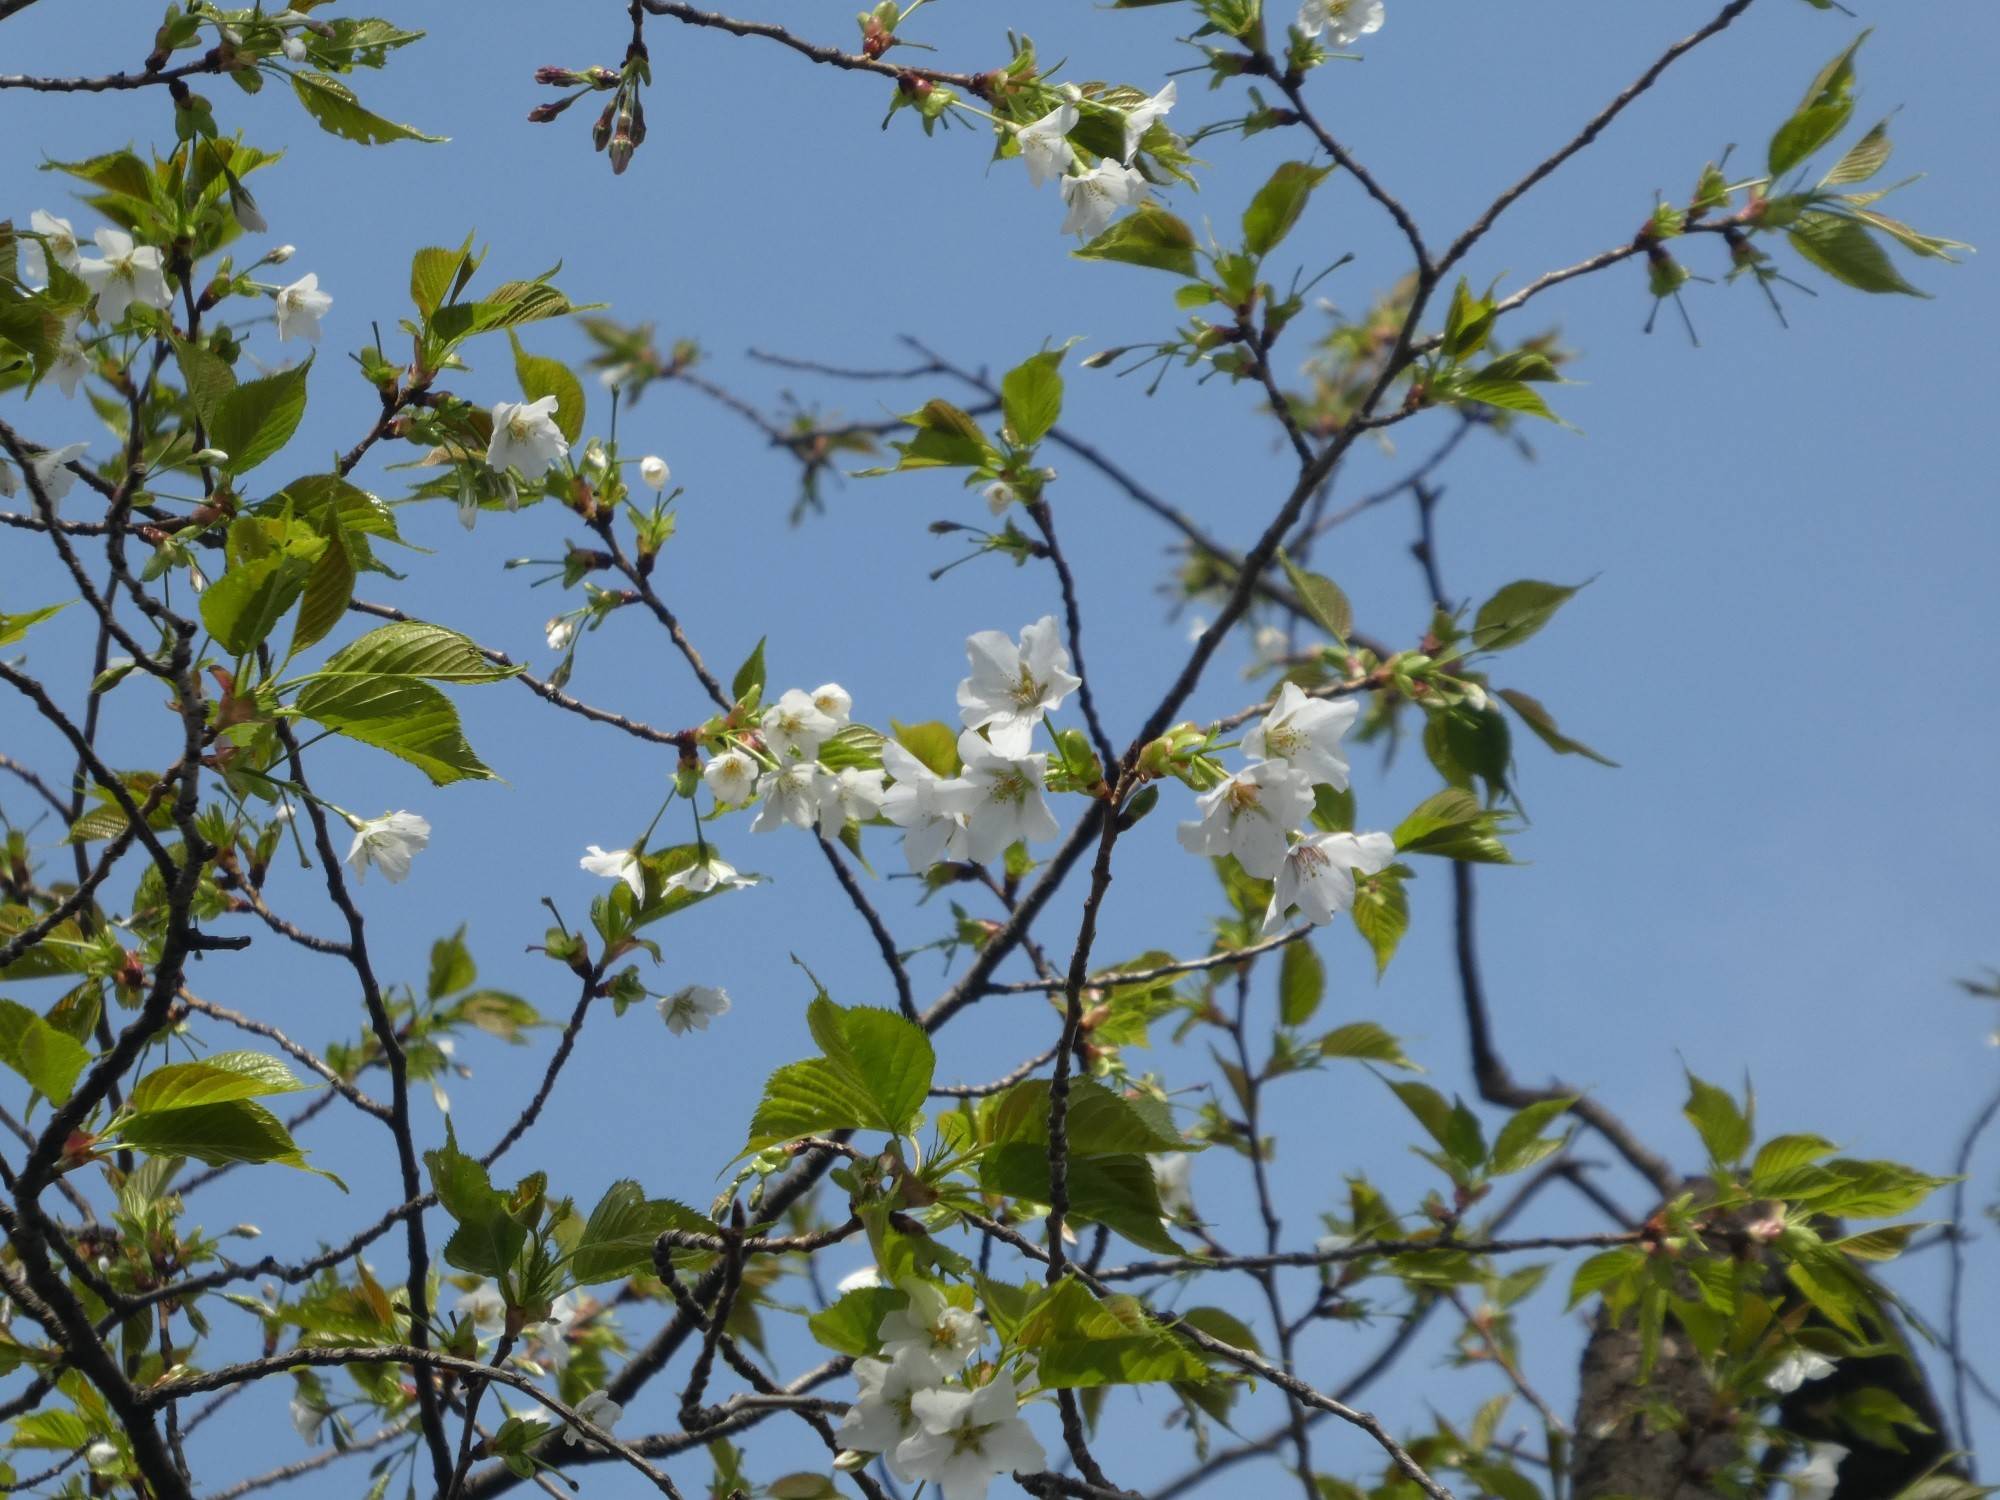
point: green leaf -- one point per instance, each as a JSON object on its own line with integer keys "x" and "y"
{"x": 1543, "y": 723}
{"x": 452, "y": 968}
{"x": 875, "y": 1075}
{"x": 947, "y": 438}
{"x": 1520, "y": 1143}
{"x": 1602, "y": 1269}
{"x": 850, "y": 1324}
{"x": 541, "y": 376}
{"x": 254, "y": 420}
{"x": 215, "y": 1079}
{"x": 748, "y": 683}
{"x": 1786, "y": 1153}
{"x": 1450, "y": 1124}
{"x": 1117, "y": 1191}
{"x": 1844, "y": 249}
{"x": 233, "y": 1130}
{"x": 1031, "y": 397}
{"x": 49, "y": 1059}
{"x": 1097, "y": 1121}
{"x": 1366, "y": 1041}
{"x": 1149, "y": 236}
{"x": 1723, "y": 1127}
{"x": 338, "y": 112}
{"x": 488, "y": 1237}
{"x": 931, "y": 742}
{"x": 1301, "y": 983}
{"x": 1453, "y": 825}
{"x": 207, "y": 378}
{"x": 13, "y": 627}
{"x": 1080, "y": 1341}
{"x": 1821, "y": 115}
{"x": 415, "y": 648}
{"x": 1382, "y": 914}
{"x": 1517, "y": 612}
{"x": 618, "y": 1238}
{"x": 1278, "y": 204}
{"x": 246, "y": 603}
{"x": 437, "y": 274}
{"x": 1863, "y": 160}
{"x": 1501, "y": 391}
{"x": 1322, "y": 597}
{"x": 405, "y": 716}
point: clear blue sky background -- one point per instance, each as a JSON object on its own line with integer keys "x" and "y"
{"x": 1789, "y": 644}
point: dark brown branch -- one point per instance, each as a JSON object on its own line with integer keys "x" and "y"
{"x": 885, "y": 943}
{"x": 816, "y": 52}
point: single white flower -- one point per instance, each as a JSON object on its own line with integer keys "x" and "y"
{"x": 125, "y": 273}
{"x": 712, "y": 873}
{"x": 929, "y": 808}
{"x": 1821, "y": 1475}
{"x": 1795, "y": 1369}
{"x": 52, "y": 472}
{"x": 1341, "y": 22}
{"x": 559, "y": 631}
{"x": 883, "y": 1414}
{"x": 295, "y": 49}
{"x": 931, "y": 1328}
{"x": 833, "y": 700}
{"x": 1007, "y": 802}
{"x": 1305, "y": 734}
{"x": 388, "y": 843}
{"x": 71, "y": 365}
{"x": 307, "y": 1419}
{"x": 653, "y": 469}
{"x": 796, "y": 726}
{"x": 999, "y": 495}
{"x": 595, "y": 460}
{"x": 1140, "y": 117}
{"x": 525, "y": 437}
{"x": 58, "y": 243}
{"x": 601, "y": 1412}
{"x": 616, "y": 864}
{"x": 1197, "y": 627}
{"x": 486, "y": 1308}
{"x": 692, "y": 1008}
{"x": 1012, "y": 686}
{"x": 791, "y": 795}
{"x": 854, "y": 1281}
{"x": 1318, "y": 875}
{"x": 1271, "y": 645}
{"x": 1249, "y": 815}
{"x": 300, "y": 307}
{"x": 732, "y": 777}
{"x": 1170, "y": 1176}
{"x": 101, "y": 1454}
{"x": 1044, "y": 147}
{"x": 968, "y": 1437}
{"x": 1093, "y": 198}
{"x": 552, "y": 1333}
{"x": 847, "y": 793}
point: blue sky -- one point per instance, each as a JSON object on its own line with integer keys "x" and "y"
{"x": 1787, "y": 645}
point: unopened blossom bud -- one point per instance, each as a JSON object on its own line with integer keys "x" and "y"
{"x": 653, "y": 469}
{"x": 282, "y": 254}
{"x": 600, "y": 133}
{"x": 556, "y": 78}
{"x": 541, "y": 114}
{"x": 295, "y": 49}
{"x": 211, "y": 456}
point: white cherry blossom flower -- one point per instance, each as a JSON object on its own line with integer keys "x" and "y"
{"x": 998, "y": 496}
{"x": 712, "y": 873}
{"x": 52, "y": 472}
{"x": 525, "y": 437}
{"x": 791, "y": 795}
{"x": 1093, "y": 198}
{"x": 560, "y": 631}
{"x": 300, "y": 307}
{"x": 1170, "y": 1176}
{"x": 854, "y": 1281}
{"x": 1318, "y": 875}
{"x": 1341, "y": 23}
{"x": 931, "y": 1328}
{"x": 1012, "y": 687}
{"x": 1045, "y": 151}
{"x": 1140, "y": 117}
{"x": 60, "y": 237}
{"x": 1821, "y": 1475}
{"x": 929, "y": 808}
{"x": 617, "y": 864}
{"x": 833, "y": 700}
{"x": 968, "y": 1437}
{"x": 486, "y": 1308}
{"x": 388, "y": 843}
{"x": 1008, "y": 802}
{"x": 552, "y": 1333}
{"x": 100, "y": 1455}
{"x": 294, "y": 49}
{"x": 601, "y": 1412}
{"x": 653, "y": 469}
{"x": 1305, "y": 733}
{"x": 796, "y": 726}
{"x": 1795, "y": 1369}
{"x": 125, "y": 273}
{"x": 883, "y": 1415}
{"x": 307, "y": 1419}
{"x": 1249, "y": 815}
{"x": 71, "y": 365}
{"x": 732, "y": 777}
{"x": 692, "y": 1008}
{"x": 847, "y": 793}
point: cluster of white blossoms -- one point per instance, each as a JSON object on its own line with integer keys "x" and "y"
{"x": 927, "y": 1427}
{"x": 1340, "y": 22}
{"x": 1092, "y": 195}
{"x": 1257, "y": 814}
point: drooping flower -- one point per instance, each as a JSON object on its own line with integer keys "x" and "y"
{"x": 929, "y": 808}
{"x": 71, "y": 365}
{"x": 999, "y": 495}
{"x": 692, "y": 1008}
{"x": 1249, "y": 815}
{"x": 847, "y": 793}
{"x": 1305, "y": 733}
{"x": 1795, "y": 1369}
{"x": 931, "y": 1328}
{"x": 968, "y": 1437}
{"x": 1341, "y": 23}
{"x": 1093, "y": 198}
{"x": 58, "y": 243}
{"x": 833, "y": 700}
{"x": 1318, "y": 875}
{"x": 1821, "y": 1475}
{"x": 125, "y": 273}
{"x": 552, "y": 1333}
{"x": 617, "y": 864}
{"x": 52, "y": 472}
{"x": 388, "y": 843}
{"x": 708, "y": 873}
{"x": 559, "y": 631}
{"x": 485, "y": 1307}
{"x": 1045, "y": 149}
{"x": 1140, "y": 117}
{"x": 307, "y": 1419}
{"x": 732, "y": 777}
{"x": 601, "y": 1412}
{"x": 525, "y": 437}
{"x": 882, "y": 1415}
{"x": 300, "y": 307}
{"x": 653, "y": 469}
{"x": 1170, "y": 1177}
{"x": 1012, "y": 687}
{"x": 796, "y": 726}
{"x": 1008, "y": 802}
{"x": 791, "y": 795}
